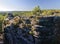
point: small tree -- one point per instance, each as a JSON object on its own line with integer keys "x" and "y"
{"x": 36, "y": 10}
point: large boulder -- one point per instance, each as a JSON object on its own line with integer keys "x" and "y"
{"x": 10, "y": 16}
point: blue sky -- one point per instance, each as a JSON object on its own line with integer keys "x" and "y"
{"x": 27, "y": 5}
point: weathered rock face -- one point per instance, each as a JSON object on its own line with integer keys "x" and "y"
{"x": 57, "y": 28}
{"x": 47, "y": 31}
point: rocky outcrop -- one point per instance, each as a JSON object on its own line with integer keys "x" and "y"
{"x": 45, "y": 31}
